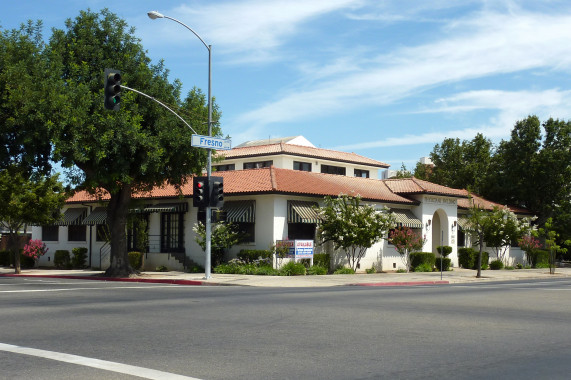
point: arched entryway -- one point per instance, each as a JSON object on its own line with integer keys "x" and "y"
{"x": 440, "y": 235}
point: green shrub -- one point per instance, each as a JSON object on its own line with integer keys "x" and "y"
{"x": 292, "y": 269}
{"x": 444, "y": 250}
{"x": 265, "y": 270}
{"x": 322, "y": 260}
{"x": 509, "y": 267}
{"x": 62, "y": 259}
{"x": 519, "y": 266}
{"x": 26, "y": 261}
{"x": 420, "y": 258}
{"x": 79, "y": 257}
{"x": 251, "y": 255}
{"x": 161, "y": 268}
{"x": 468, "y": 258}
{"x": 344, "y": 270}
{"x": 5, "y": 256}
{"x": 135, "y": 260}
{"x": 539, "y": 258}
{"x": 424, "y": 267}
{"x": 371, "y": 270}
{"x": 401, "y": 270}
{"x": 496, "y": 265}
{"x": 317, "y": 270}
{"x": 446, "y": 263}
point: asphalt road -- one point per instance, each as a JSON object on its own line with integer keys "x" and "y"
{"x": 73, "y": 329}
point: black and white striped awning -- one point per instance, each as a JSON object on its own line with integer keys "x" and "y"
{"x": 464, "y": 223}
{"x": 240, "y": 211}
{"x": 405, "y": 218}
{"x": 97, "y": 216}
{"x": 72, "y": 216}
{"x": 162, "y": 207}
{"x": 302, "y": 212}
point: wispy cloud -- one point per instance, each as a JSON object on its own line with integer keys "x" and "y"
{"x": 484, "y": 44}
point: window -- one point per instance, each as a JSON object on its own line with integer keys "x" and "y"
{"x": 301, "y": 231}
{"x": 172, "y": 232}
{"x": 257, "y": 165}
{"x": 361, "y": 173}
{"x": 332, "y": 169}
{"x": 50, "y": 233}
{"x": 224, "y": 168}
{"x": 76, "y": 233}
{"x": 461, "y": 238}
{"x": 247, "y": 230}
{"x": 102, "y": 232}
{"x": 303, "y": 166}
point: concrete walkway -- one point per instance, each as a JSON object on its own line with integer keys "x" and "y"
{"x": 458, "y": 275}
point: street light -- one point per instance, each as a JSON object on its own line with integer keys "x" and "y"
{"x": 153, "y": 15}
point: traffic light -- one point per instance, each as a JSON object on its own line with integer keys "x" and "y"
{"x": 112, "y": 89}
{"x": 200, "y": 192}
{"x": 216, "y": 192}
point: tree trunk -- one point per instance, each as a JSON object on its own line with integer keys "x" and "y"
{"x": 117, "y": 211}
{"x": 480, "y": 261}
{"x": 14, "y": 244}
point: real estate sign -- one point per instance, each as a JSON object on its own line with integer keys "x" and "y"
{"x": 297, "y": 249}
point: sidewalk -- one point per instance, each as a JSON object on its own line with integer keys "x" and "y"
{"x": 458, "y": 275}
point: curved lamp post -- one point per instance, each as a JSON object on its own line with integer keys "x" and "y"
{"x": 153, "y": 15}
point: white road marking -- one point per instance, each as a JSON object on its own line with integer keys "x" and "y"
{"x": 146, "y": 373}
{"x": 94, "y": 288}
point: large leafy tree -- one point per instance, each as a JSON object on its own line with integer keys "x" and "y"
{"x": 27, "y": 200}
{"x": 352, "y": 226}
{"x": 137, "y": 148}
{"x": 461, "y": 164}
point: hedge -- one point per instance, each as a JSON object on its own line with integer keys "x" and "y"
{"x": 468, "y": 258}
{"x": 79, "y": 257}
{"x": 446, "y": 262}
{"x": 5, "y": 256}
{"x": 539, "y": 258}
{"x": 496, "y": 265}
{"x": 419, "y": 258}
{"x": 62, "y": 259}
{"x": 250, "y": 255}
{"x": 322, "y": 260}
{"x": 135, "y": 260}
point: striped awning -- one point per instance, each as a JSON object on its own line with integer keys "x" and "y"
{"x": 240, "y": 211}
{"x": 97, "y": 216}
{"x": 72, "y": 216}
{"x": 166, "y": 207}
{"x": 405, "y": 218}
{"x": 302, "y": 212}
{"x": 464, "y": 223}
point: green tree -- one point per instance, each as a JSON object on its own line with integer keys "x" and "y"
{"x": 352, "y": 227}
{"x": 224, "y": 236}
{"x": 503, "y": 227}
{"x": 25, "y": 201}
{"x": 462, "y": 165}
{"x": 135, "y": 149}
{"x": 403, "y": 172}
{"x": 27, "y": 101}
{"x": 478, "y": 219}
{"x": 551, "y": 243}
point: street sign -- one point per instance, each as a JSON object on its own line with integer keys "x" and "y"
{"x": 200, "y": 141}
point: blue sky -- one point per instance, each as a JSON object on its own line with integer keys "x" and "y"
{"x": 384, "y": 79}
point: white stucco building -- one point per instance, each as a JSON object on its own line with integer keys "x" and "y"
{"x": 270, "y": 187}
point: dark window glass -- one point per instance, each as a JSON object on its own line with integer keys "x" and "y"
{"x": 172, "y": 232}
{"x": 257, "y": 165}
{"x": 76, "y": 233}
{"x": 102, "y": 232}
{"x": 224, "y": 168}
{"x": 50, "y": 233}
{"x": 361, "y": 173}
{"x": 301, "y": 231}
{"x": 248, "y": 231}
{"x": 303, "y": 166}
{"x": 332, "y": 169}
{"x": 461, "y": 238}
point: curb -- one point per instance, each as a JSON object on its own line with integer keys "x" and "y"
{"x": 118, "y": 279}
{"x": 407, "y": 283}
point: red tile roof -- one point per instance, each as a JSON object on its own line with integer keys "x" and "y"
{"x": 487, "y": 205}
{"x": 277, "y": 181}
{"x": 302, "y": 151}
{"x": 418, "y": 186}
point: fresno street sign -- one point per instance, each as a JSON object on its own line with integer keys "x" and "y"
{"x": 200, "y": 141}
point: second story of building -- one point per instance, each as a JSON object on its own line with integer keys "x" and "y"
{"x": 297, "y": 153}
